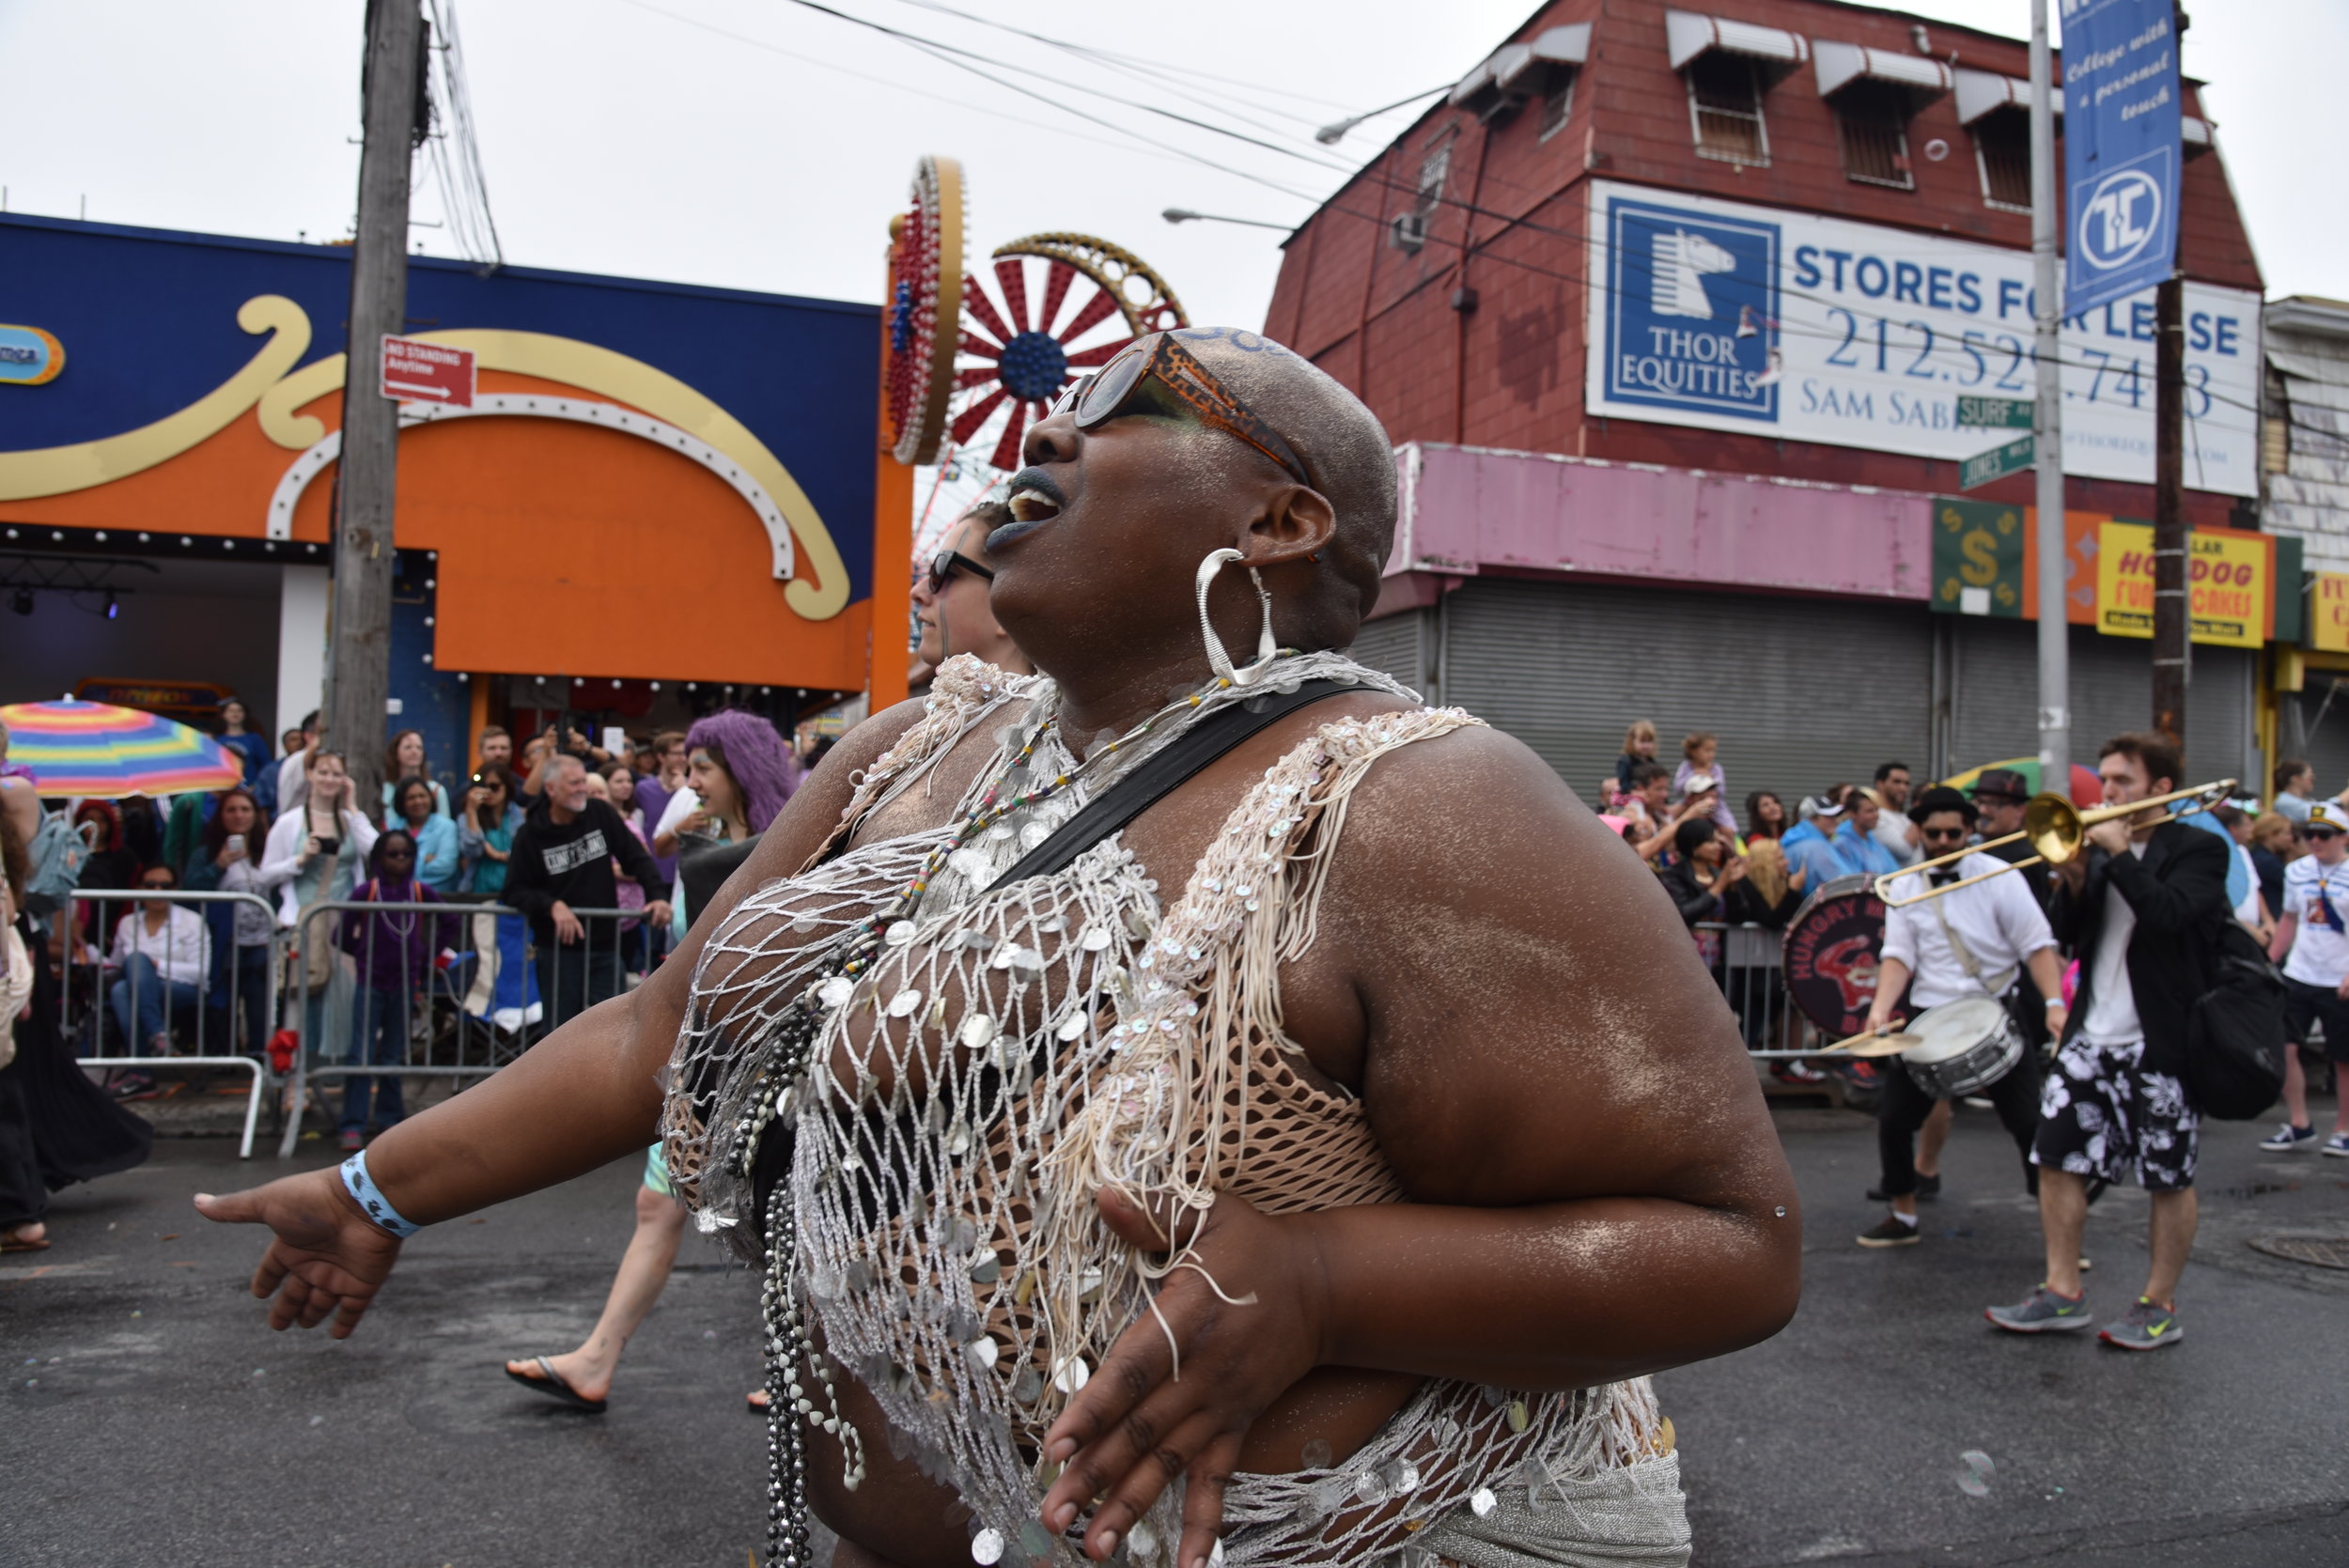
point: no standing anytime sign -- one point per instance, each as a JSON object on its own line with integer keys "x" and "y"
{"x": 419, "y": 372}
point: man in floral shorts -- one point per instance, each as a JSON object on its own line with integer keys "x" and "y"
{"x": 2142, "y": 907}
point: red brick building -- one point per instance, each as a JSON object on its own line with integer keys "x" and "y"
{"x": 1877, "y": 164}
{"x": 1510, "y": 224}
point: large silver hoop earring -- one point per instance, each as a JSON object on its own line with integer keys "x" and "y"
{"x": 1266, "y": 649}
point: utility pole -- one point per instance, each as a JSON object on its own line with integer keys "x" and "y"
{"x": 359, "y": 646}
{"x": 2055, "y": 630}
{"x": 2173, "y": 652}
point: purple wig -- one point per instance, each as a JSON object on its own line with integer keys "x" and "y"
{"x": 754, "y": 756}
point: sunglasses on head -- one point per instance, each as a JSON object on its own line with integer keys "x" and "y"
{"x": 1097, "y": 399}
{"x": 946, "y": 563}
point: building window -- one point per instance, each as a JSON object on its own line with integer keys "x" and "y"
{"x": 1557, "y": 103}
{"x": 1725, "y": 107}
{"x": 1872, "y": 117}
{"x": 1435, "y": 168}
{"x": 2275, "y": 428}
{"x": 2002, "y": 149}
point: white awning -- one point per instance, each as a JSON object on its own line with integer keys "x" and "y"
{"x": 1516, "y": 71}
{"x": 1479, "y": 80}
{"x": 1981, "y": 91}
{"x": 2194, "y": 129}
{"x": 1525, "y": 68}
{"x": 1840, "y": 64}
{"x": 1689, "y": 34}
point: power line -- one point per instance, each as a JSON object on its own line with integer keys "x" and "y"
{"x": 958, "y": 56}
{"x": 1134, "y": 142}
{"x": 464, "y": 188}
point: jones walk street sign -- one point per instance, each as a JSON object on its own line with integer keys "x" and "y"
{"x": 1996, "y": 463}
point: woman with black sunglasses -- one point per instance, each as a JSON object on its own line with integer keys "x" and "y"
{"x": 950, "y": 599}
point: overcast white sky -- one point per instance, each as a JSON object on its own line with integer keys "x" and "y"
{"x": 762, "y": 145}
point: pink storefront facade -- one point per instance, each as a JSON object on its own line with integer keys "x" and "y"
{"x": 1563, "y": 598}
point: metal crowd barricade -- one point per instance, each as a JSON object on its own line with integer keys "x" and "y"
{"x": 381, "y": 995}
{"x": 1751, "y": 975}
{"x": 134, "y": 984}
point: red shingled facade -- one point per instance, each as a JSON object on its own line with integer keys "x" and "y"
{"x": 1510, "y": 372}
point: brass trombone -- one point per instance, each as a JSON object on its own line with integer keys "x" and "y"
{"x": 2056, "y": 828}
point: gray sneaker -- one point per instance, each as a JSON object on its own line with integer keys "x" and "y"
{"x": 2146, "y": 1327}
{"x": 2043, "y": 1311}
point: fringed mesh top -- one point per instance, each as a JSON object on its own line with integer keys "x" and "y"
{"x": 1016, "y": 1049}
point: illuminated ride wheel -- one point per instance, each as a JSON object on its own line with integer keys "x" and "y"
{"x": 926, "y": 267}
{"x": 1061, "y": 304}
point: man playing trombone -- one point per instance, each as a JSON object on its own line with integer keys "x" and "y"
{"x": 2141, "y": 906}
{"x": 1976, "y": 940}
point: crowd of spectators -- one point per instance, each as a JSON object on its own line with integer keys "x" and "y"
{"x": 1726, "y": 877}
{"x": 556, "y": 896}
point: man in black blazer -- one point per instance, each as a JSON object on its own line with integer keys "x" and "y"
{"x": 2141, "y": 907}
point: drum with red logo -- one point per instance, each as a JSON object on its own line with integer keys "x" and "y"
{"x": 1830, "y": 954}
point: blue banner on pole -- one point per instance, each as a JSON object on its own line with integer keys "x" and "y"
{"x": 2122, "y": 116}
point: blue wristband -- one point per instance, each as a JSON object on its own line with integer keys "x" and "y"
{"x": 370, "y": 1198}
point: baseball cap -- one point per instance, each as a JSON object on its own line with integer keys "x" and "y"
{"x": 1820, "y": 805}
{"x": 2328, "y": 813}
{"x": 2002, "y": 783}
{"x": 1699, "y": 783}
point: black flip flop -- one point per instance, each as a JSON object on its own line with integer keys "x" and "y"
{"x": 552, "y": 1386}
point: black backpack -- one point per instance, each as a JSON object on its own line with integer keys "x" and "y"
{"x": 2234, "y": 1054}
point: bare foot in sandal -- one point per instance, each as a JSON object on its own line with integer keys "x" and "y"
{"x": 30, "y": 1236}
{"x": 587, "y": 1374}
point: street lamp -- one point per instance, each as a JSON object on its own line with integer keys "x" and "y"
{"x": 1331, "y": 135}
{"x": 1185, "y": 215}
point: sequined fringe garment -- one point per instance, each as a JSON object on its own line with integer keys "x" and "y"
{"x": 1009, "y": 1053}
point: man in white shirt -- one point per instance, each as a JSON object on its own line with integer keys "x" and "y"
{"x": 1896, "y": 825}
{"x": 1977, "y": 940}
{"x": 2312, "y": 945}
{"x": 162, "y": 951}
{"x": 293, "y": 772}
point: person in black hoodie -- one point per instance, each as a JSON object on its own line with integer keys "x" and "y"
{"x": 2142, "y": 905}
{"x": 561, "y": 861}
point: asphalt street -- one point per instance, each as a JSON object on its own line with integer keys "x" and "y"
{"x": 149, "y": 1416}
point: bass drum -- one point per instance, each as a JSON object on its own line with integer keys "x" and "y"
{"x": 1830, "y": 954}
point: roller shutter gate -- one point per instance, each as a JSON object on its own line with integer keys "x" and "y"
{"x": 1802, "y": 692}
{"x": 1995, "y": 707}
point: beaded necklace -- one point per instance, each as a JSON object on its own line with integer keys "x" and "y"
{"x": 791, "y": 1407}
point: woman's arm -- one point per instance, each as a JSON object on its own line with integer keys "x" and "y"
{"x": 583, "y": 1097}
{"x": 281, "y": 857}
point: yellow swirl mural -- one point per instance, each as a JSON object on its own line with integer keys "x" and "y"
{"x": 57, "y": 469}
{"x": 265, "y": 383}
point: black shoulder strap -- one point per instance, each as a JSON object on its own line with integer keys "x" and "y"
{"x": 1127, "y": 798}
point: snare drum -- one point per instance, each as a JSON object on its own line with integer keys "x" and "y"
{"x": 1970, "y": 1044}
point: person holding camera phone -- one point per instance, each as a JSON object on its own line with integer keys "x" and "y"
{"x": 315, "y": 852}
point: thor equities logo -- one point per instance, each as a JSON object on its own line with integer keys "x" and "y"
{"x": 1692, "y": 310}
{"x": 2119, "y": 218}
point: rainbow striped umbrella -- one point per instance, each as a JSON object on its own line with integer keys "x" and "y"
{"x": 96, "y": 748}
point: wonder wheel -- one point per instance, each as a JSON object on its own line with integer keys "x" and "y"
{"x": 926, "y": 267}
{"x": 1059, "y": 303}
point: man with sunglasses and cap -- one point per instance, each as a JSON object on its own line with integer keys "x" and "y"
{"x": 2312, "y": 945}
{"x": 1988, "y": 939}
{"x": 1277, "y": 1130}
{"x": 1999, "y": 797}
{"x": 950, "y": 599}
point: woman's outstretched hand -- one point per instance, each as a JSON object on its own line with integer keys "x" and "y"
{"x": 327, "y": 1260}
{"x": 1137, "y": 1426}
